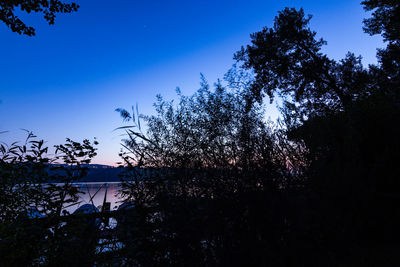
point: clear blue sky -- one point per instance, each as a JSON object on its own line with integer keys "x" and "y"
{"x": 67, "y": 81}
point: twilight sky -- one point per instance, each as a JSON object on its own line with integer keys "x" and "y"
{"x": 68, "y": 79}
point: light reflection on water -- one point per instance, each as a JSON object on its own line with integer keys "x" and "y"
{"x": 93, "y": 193}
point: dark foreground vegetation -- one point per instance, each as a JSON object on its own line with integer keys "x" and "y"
{"x": 208, "y": 182}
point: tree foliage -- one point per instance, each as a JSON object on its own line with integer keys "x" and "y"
{"x": 345, "y": 114}
{"x": 385, "y": 19}
{"x": 214, "y": 148}
{"x": 33, "y": 230}
{"x": 198, "y": 176}
{"x": 287, "y": 59}
{"x": 49, "y": 9}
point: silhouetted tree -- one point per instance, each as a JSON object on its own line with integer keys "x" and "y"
{"x": 385, "y": 20}
{"x": 287, "y": 59}
{"x": 208, "y": 179}
{"x": 34, "y": 228}
{"x": 345, "y": 114}
{"x": 49, "y": 9}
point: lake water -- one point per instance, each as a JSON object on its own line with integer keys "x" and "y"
{"x": 93, "y": 193}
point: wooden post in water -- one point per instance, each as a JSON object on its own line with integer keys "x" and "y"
{"x": 106, "y": 206}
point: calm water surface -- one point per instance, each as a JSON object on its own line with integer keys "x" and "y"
{"x": 94, "y": 193}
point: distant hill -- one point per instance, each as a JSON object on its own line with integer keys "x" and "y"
{"x": 101, "y": 173}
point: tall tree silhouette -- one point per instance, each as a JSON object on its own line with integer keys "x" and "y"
{"x": 344, "y": 113}
{"x": 287, "y": 59}
{"x": 213, "y": 174}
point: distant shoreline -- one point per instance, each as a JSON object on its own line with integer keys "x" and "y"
{"x": 99, "y": 174}
{"x": 94, "y": 182}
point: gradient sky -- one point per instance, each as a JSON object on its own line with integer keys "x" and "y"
{"x": 68, "y": 79}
